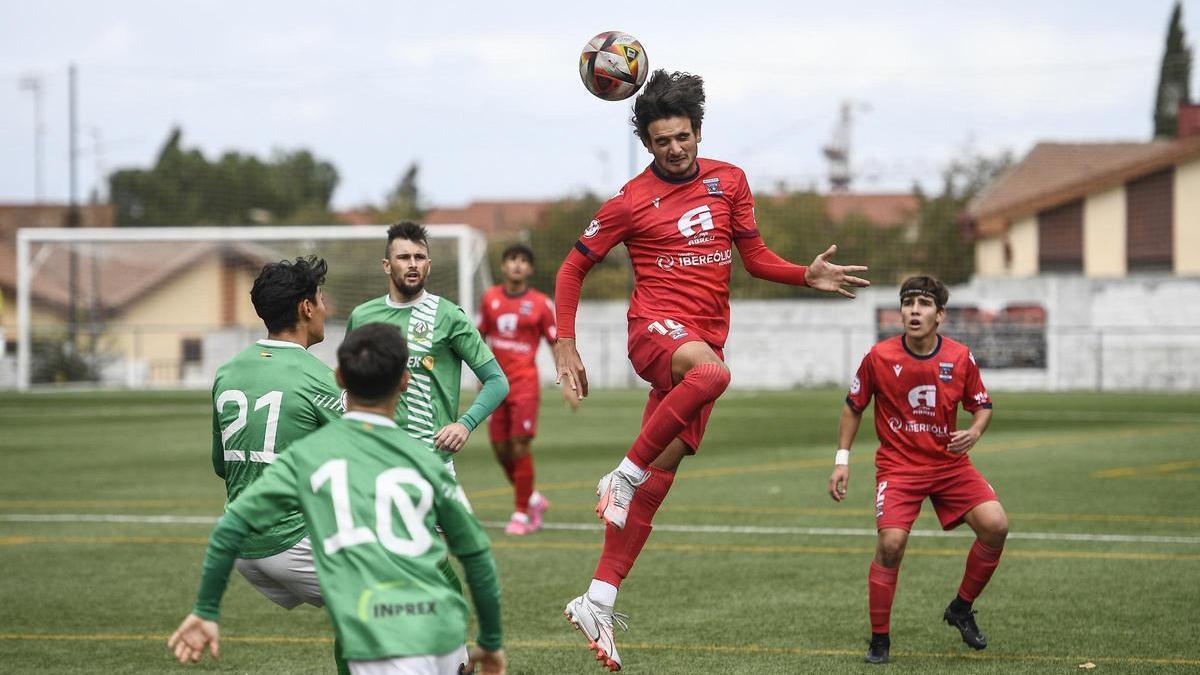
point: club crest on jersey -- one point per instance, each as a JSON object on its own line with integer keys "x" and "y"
{"x": 944, "y": 369}
{"x": 427, "y": 362}
{"x": 713, "y": 185}
{"x": 592, "y": 228}
{"x": 526, "y": 308}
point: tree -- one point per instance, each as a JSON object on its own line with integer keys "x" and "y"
{"x": 942, "y": 249}
{"x": 1174, "y": 79}
{"x": 185, "y": 188}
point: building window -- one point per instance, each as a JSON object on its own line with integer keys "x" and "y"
{"x": 1060, "y": 238}
{"x": 193, "y": 350}
{"x": 1149, "y": 212}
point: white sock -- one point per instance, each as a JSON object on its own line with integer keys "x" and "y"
{"x": 635, "y": 473}
{"x": 602, "y": 593}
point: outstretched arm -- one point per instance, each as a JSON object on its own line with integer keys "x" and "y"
{"x": 199, "y": 630}
{"x": 823, "y": 275}
{"x": 567, "y": 287}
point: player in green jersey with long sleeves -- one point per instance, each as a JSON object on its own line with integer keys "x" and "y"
{"x": 269, "y": 395}
{"x": 440, "y": 339}
{"x": 371, "y": 496}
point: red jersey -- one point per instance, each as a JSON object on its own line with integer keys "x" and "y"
{"x": 680, "y": 235}
{"x": 916, "y": 401}
{"x": 513, "y": 325}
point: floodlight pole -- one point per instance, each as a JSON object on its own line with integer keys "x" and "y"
{"x": 72, "y": 214}
{"x": 33, "y": 84}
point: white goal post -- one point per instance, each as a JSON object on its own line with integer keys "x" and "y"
{"x": 135, "y": 266}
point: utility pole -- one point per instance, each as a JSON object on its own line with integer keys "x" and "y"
{"x": 72, "y": 213}
{"x": 33, "y": 84}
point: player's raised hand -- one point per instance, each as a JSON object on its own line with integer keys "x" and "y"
{"x": 452, "y": 437}
{"x": 962, "y": 441}
{"x": 839, "y": 481}
{"x": 826, "y": 276}
{"x": 193, "y": 635}
{"x": 484, "y": 662}
{"x": 569, "y": 368}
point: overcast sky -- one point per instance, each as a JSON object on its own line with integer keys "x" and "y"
{"x": 487, "y": 99}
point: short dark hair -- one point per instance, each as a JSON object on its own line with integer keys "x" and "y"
{"x": 516, "y": 250}
{"x": 280, "y": 287}
{"x": 666, "y": 95}
{"x": 372, "y": 359}
{"x": 409, "y": 231}
{"x": 925, "y": 285}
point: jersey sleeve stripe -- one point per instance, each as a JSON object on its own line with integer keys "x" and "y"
{"x": 855, "y": 408}
{"x": 579, "y": 246}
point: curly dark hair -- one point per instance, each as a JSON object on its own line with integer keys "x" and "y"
{"x": 518, "y": 251}
{"x": 280, "y": 287}
{"x": 372, "y": 360}
{"x": 925, "y": 285}
{"x": 408, "y": 230}
{"x": 666, "y": 95}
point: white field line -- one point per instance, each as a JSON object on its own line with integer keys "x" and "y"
{"x": 595, "y": 527}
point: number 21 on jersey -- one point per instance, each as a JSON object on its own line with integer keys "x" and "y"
{"x": 272, "y": 400}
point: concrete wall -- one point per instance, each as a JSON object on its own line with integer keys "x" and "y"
{"x": 1110, "y": 334}
{"x": 1187, "y": 219}
{"x": 1104, "y": 234}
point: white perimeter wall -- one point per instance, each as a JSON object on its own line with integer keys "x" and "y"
{"x": 1140, "y": 333}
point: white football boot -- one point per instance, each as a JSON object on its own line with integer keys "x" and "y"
{"x": 596, "y": 623}
{"x": 615, "y": 491}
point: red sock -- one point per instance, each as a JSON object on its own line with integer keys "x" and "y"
{"x": 981, "y": 562}
{"x": 881, "y": 589}
{"x": 507, "y": 465}
{"x": 701, "y": 386}
{"x": 621, "y": 547}
{"x": 522, "y": 480}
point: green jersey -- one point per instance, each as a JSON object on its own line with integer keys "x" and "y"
{"x": 270, "y": 395}
{"x": 440, "y": 339}
{"x": 371, "y": 495}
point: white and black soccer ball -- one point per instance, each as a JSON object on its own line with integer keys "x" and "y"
{"x": 613, "y": 65}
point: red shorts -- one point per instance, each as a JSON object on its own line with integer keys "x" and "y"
{"x": 651, "y": 344}
{"x": 953, "y": 492}
{"x": 515, "y": 417}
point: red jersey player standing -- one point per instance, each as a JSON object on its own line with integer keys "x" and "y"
{"x": 679, "y": 219}
{"x": 514, "y": 318}
{"x": 918, "y": 379}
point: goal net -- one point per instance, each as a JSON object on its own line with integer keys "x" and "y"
{"x": 163, "y": 307}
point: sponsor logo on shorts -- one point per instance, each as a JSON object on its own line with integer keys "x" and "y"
{"x": 879, "y": 495}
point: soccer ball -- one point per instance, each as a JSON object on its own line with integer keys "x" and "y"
{"x": 613, "y": 65}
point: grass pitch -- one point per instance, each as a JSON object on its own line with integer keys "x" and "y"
{"x": 752, "y": 568}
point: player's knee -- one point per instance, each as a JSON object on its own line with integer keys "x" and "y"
{"x": 890, "y": 551}
{"x": 712, "y": 378}
{"x": 998, "y": 531}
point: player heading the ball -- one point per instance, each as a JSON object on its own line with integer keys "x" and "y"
{"x": 680, "y": 219}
